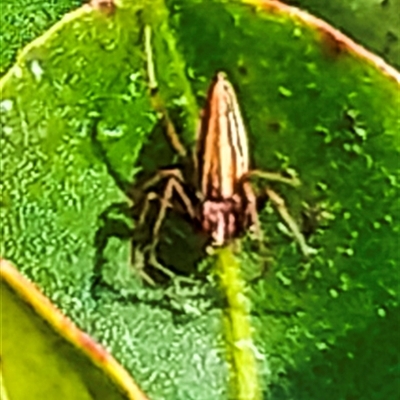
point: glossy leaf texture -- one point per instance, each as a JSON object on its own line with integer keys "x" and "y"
{"x": 313, "y": 103}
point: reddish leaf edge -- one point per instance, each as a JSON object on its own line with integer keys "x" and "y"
{"x": 29, "y": 293}
{"x": 331, "y": 38}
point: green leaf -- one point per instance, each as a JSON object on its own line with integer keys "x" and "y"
{"x": 44, "y": 356}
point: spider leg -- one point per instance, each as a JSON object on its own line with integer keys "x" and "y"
{"x": 173, "y": 185}
{"x": 156, "y": 99}
{"x": 274, "y": 177}
{"x": 279, "y": 204}
{"x": 251, "y": 210}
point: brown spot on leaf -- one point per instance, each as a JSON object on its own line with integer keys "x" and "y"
{"x": 105, "y": 6}
{"x": 274, "y": 126}
{"x": 332, "y": 45}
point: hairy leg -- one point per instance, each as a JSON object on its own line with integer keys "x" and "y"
{"x": 279, "y": 204}
{"x": 173, "y": 186}
{"x": 157, "y": 101}
{"x": 251, "y": 210}
{"x": 273, "y": 177}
